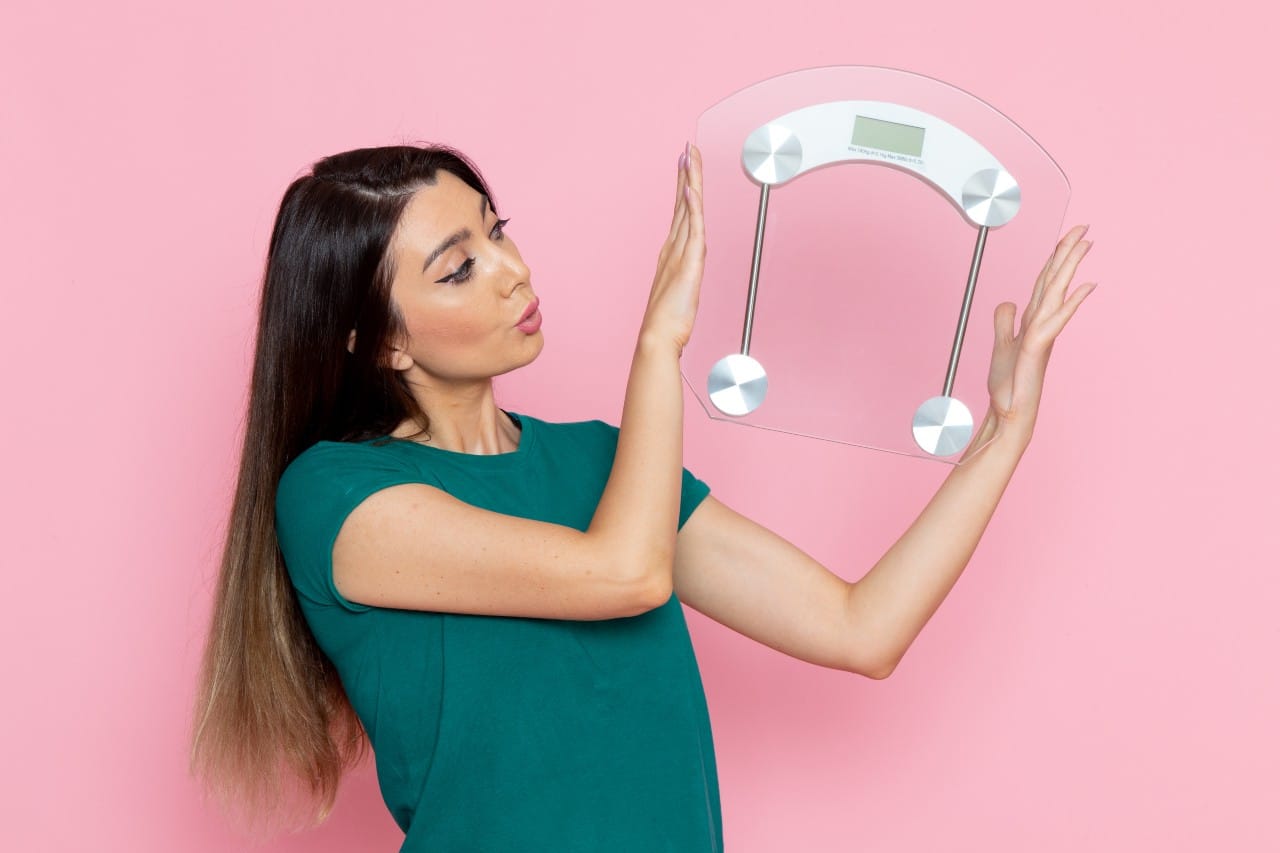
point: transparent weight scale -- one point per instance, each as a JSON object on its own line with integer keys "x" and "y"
{"x": 862, "y": 225}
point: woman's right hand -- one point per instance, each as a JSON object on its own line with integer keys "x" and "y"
{"x": 673, "y": 300}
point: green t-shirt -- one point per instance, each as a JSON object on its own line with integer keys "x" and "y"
{"x": 495, "y": 733}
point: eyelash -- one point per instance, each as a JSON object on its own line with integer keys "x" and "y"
{"x": 464, "y": 271}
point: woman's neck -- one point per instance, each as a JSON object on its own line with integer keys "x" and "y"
{"x": 463, "y": 423}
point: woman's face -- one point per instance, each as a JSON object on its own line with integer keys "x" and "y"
{"x": 461, "y": 287}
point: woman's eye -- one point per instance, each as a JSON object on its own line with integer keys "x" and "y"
{"x": 463, "y": 273}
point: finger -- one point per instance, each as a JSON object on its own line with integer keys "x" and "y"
{"x": 682, "y": 176}
{"x": 689, "y": 224}
{"x": 682, "y": 179}
{"x": 1059, "y": 321}
{"x": 697, "y": 218}
{"x": 692, "y": 253}
{"x": 682, "y": 232}
{"x": 691, "y": 242}
{"x": 681, "y": 212}
{"x": 1037, "y": 291}
{"x": 1069, "y": 239}
{"x": 1064, "y": 247}
{"x": 1051, "y": 265}
{"x": 697, "y": 212}
{"x": 1049, "y": 280}
{"x": 687, "y": 168}
{"x": 1005, "y": 312}
{"x": 1056, "y": 288}
{"x": 695, "y": 178}
{"x": 681, "y": 220}
{"x": 1046, "y": 333}
{"x": 1001, "y": 348}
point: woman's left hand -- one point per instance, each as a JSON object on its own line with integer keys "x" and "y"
{"x": 1018, "y": 361}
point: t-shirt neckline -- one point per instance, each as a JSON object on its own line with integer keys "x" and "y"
{"x": 527, "y": 439}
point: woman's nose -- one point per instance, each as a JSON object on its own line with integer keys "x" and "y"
{"x": 517, "y": 273}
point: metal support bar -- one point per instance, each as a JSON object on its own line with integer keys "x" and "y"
{"x": 755, "y": 270}
{"x": 964, "y": 311}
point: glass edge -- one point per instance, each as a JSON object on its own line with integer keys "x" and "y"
{"x": 736, "y": 92}
{"x": 923, "y": 457}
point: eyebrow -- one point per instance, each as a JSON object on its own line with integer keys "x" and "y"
{"x": 456, "y": 237}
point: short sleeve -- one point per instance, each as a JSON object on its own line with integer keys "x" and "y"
{"x": 692, "y": 492}
{"x": 317, "y": 492}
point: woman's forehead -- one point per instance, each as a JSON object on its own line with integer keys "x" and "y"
{"x": 437, "y": 210}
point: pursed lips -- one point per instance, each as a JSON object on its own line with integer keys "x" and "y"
{"x": 529, "y": 311}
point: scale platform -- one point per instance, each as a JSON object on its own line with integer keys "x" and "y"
{"x": 862, "y": 225}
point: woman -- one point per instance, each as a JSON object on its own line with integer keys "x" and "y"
{"x": 494, "y": 599}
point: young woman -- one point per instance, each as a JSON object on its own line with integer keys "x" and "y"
{"x": 491, "y": 599}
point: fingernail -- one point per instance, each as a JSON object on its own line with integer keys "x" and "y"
{"x": 681, "y": 161}
{"x": 687, "y": 152}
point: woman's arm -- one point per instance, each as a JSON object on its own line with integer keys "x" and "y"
{"x": 638, "y": 513}
{"x": 757, "y": 583}
{"x": 416, "y": 547}
{"x": 747, "y": 577}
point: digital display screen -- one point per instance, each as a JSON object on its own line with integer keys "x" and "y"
{"x": 888, "y": 136}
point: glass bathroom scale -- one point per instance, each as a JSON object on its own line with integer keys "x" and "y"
{"x": 862, "y": 225}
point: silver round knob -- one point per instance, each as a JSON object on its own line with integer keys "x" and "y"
{"x": 942, "y": 426}
{"x": 737, "y": 384}
{"x": 772, "y": 154}
{"x": 991, "y": 197}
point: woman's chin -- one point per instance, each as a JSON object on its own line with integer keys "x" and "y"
{"x": 534, "y": 344}
{"x": 537, "y": 342}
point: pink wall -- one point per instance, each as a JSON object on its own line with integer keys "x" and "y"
{"x": 1104, "y": 677}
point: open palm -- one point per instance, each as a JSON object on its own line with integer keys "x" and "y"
{"x": 1019, "y": 360}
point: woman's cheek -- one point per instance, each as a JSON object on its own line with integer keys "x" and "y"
{"x": 446, "y": 327}
{"x": 447, "y": 342}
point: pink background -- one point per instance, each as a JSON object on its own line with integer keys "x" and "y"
{"x": 1104, "y": 676}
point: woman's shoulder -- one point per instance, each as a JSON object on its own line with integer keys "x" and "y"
{"x": 335, "y": 461}
{"x": 327, "y": 451}
{"x": 559, "y": 437}
{"x": 586, "y": 427}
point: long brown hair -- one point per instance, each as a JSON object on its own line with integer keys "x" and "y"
{"x": 272, "y": 720}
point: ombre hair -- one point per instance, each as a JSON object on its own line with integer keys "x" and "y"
{"x": 272, "y": 721}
